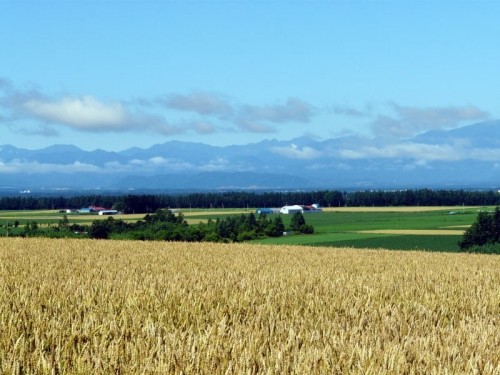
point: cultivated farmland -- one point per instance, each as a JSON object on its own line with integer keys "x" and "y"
{"x": 88, "y": 306}
{"x": 406, "y": 228}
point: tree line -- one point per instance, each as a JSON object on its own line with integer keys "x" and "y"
{"x": 483, "y": 236}
{"x": 164, "y": 225}
{"x": 148, "y": 203}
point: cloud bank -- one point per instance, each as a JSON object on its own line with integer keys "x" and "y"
{"x": 295, "y": 152}
{"x": 84, "y": 113}
{"x": 409, "y": 121}
{"x": 294, "y": 110}
{"x": 202, "y": 103}
{"x": 203, "y": 113}
{"x": 208, "y": 113}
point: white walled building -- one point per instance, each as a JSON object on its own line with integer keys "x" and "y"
{"x": 291, "y": 209}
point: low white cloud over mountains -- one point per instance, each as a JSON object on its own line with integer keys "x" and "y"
{"x": 463, "y": 157}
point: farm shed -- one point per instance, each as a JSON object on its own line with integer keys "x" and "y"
{"x": 302, "y": 209}
{"x": 108, "y": 212}
{"x": 291, "y": 209}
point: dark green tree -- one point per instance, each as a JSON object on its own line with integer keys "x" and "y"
{"x": 496, "y": 225}
{"x": 64, "y": 223}
{"x": 119, "y": 206}
{"x": 33, "y": 226}
{"x": 275, "y": 228}
{"x": 101, "y": 229}
{"x": 297, "y": 221}
{"x": 484, "y": 231}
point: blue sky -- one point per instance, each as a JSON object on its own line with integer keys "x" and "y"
{"x": 116, "y": 74}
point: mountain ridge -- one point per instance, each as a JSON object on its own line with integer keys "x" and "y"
{"x": 461, "y": 157}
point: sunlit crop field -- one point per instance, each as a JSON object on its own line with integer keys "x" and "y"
{"x": 87, "y": 306}
{"x": 399, "y": 208}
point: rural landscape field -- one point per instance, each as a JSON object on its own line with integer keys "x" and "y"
{"x": 91, "y": 306}
{"x": 249, "y": 187}
{"x": 437, "y": 228}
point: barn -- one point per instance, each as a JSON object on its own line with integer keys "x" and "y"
{"x": 291, "y": 209}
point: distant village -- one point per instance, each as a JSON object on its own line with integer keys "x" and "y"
{"x": 286, "y": 210}
{"x": 290, "y": 210}
{"x": 91, "y": 210}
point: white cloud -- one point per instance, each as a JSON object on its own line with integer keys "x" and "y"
{"x": 202, "y": 103}
{"x": 215, "y": 165}
{"x": 203, "y": 127}
{"x": 422, "y": 152}
{"x": 255, "y": 127}
{"x": 137, "y": 162}
{"x": 161, "y": 127}
{"x": 89, "y": 114}
{"x": 20, "y": 166}
{"x": 84, "y": 113}
{"x": 294, "y": 152}
{"x": 212, "y": 113}
{"x": 294, "y": 110}
{"x": 409, "y": 121}
{"x": 158, "y": 160}
{"x": 329, "y": 166}
{"x": 439, "y": 117}
{"x": 81, "y": 112}
{"x": 134, "y": 166}
{"x": 44, "y": 130}
{"x": 404, "y": 150}
{"x": 149, "y": 165}
{"x": 348, "y": 111}
{"x": 484, "y": 154}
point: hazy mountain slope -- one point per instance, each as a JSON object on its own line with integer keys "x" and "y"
{"x": 463, "y": 157}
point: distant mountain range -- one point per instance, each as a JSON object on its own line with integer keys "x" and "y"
{"x": 467, "y": 157}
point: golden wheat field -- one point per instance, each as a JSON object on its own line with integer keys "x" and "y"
{"x": 104, "y": 307}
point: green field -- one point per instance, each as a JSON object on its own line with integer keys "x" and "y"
{"x": 399, "y": 228}
{"x": 52, "y": 217}
{"x": 437, "y": 230}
